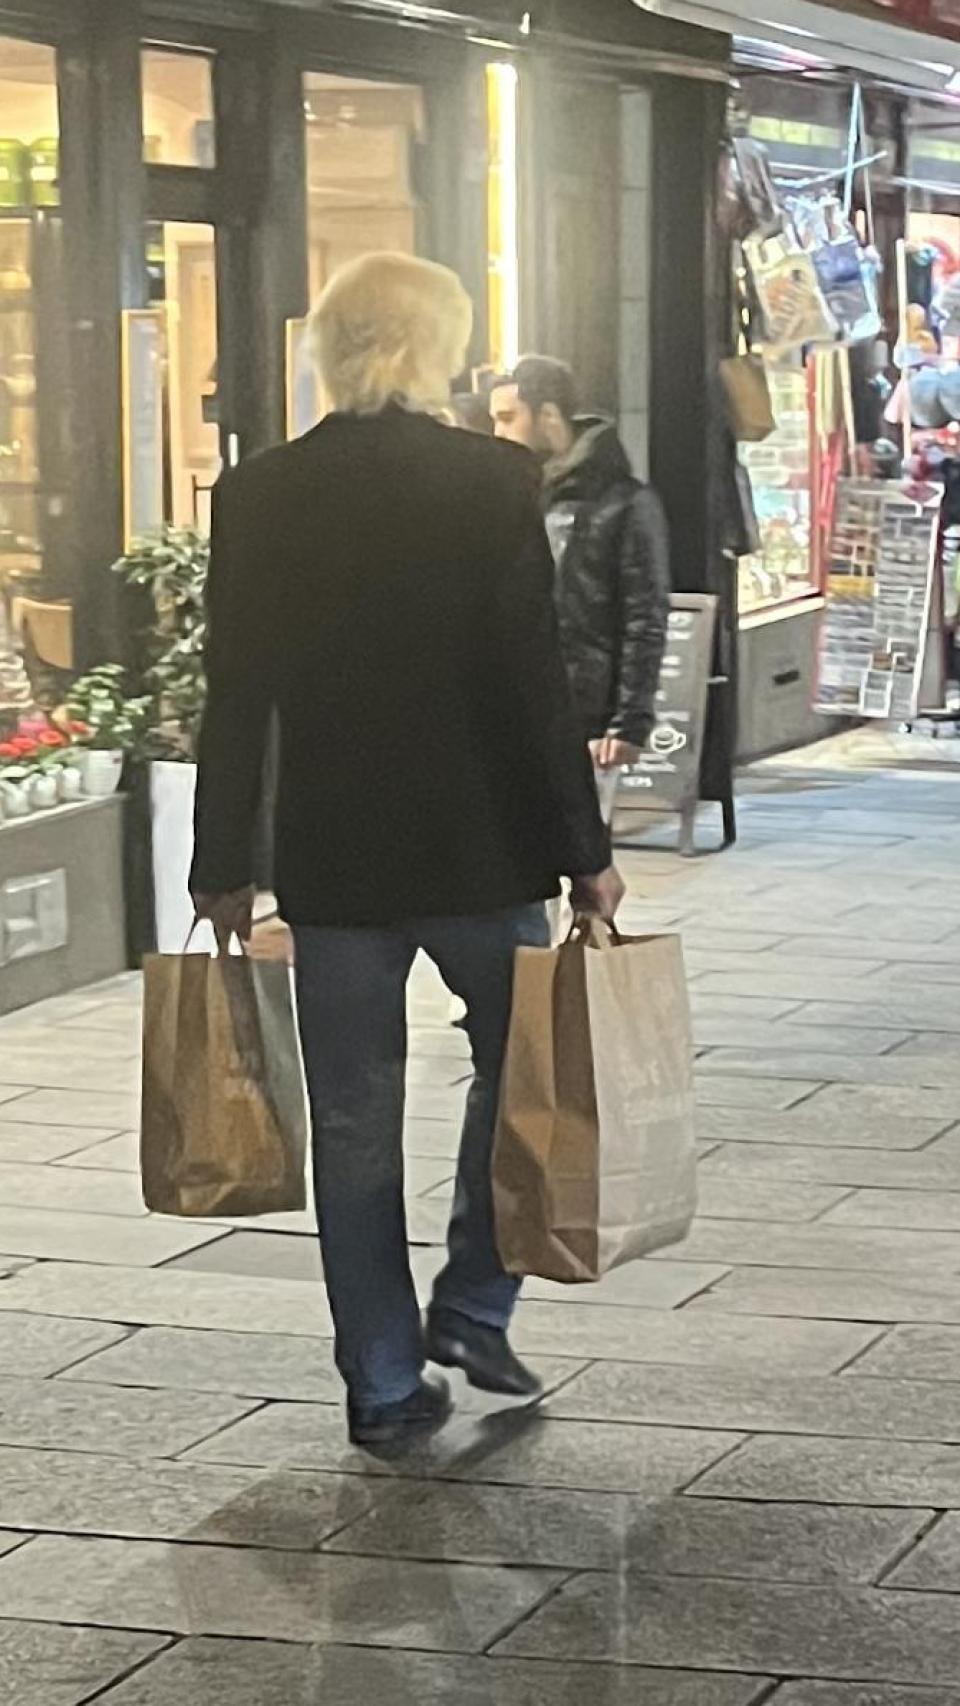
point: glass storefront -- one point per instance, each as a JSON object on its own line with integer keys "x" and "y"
{"x": 178, "y": 127}
{"x": 780, "y": 476}
{"x": 29, "y": 193}
{"x": 363, "y": 143}
{"x": 181, "y": 264}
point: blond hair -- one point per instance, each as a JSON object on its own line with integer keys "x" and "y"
{"x": 390, "y": 328}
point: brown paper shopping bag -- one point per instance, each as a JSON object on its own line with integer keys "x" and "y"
{"x": 594, "y": 1161}
{"x": 223, "y": 1122}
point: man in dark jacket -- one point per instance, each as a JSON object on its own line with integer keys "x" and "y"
{"x": 610, "y": 549}
{"x": 384, "y": 586}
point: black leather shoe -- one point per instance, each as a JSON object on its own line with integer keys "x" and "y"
{"x": 423, "y": 1412}
{"x": 483, "y": 1353}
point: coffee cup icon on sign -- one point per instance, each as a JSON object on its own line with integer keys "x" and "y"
{"x": 666, "y": 740}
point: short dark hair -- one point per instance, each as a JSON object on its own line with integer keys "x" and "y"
{"x": 540, "y": 380}
{"x": 472, "y": 411}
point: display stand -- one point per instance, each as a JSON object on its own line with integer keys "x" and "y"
{"x": 667, "y": 778}
{"x": 879, "y": 592}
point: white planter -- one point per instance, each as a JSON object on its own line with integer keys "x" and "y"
{"x": 43, "y": 792}
{"x": 101, "y": 772}
{"x": 172, "y": 790}
{"x": 69, "y": 784}
{"x": 16, "y": 799}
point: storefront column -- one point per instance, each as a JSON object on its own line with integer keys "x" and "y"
{"x": 103, "y": 208}
{"x": 689, "y": 317}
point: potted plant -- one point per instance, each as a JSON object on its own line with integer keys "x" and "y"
{"x": 16, "y": 771}
{"x": 169, "y": 572}
{"x": 116, "y": 726}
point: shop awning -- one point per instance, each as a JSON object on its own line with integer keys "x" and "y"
{"x": 880, "y": 42}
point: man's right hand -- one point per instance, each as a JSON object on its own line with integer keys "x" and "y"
{"x": 601, "y": 895}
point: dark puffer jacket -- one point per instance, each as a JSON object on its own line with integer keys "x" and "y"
{"x": 610, "y": 548}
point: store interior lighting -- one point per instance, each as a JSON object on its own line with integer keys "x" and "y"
{"x": 504, "y": 213}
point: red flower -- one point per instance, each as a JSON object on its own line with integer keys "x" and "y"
{"x": 50, "y": 737}
{"x": 8, "y": 749}
{"x": 79, "y": 729}
{"x": 23, "y": 747}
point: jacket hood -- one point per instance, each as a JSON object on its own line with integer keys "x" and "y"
{"x": 595, "y": 461}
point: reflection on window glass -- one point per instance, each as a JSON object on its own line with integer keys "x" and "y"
{"x": 178, "y": 127}
{"x": 181, "y": 263}
{"x": 30, "y": 310}
{"x": 361, "y": 172}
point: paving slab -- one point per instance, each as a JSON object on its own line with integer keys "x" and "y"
{"x": 42, "y": 1664}
{"x": 609, "y": 1531}
{"x": 838, "y": 1632}
{"x": 189, "y": 1359}
{"x": 784, "y": 1036}
{"x": 717, "y": 1091}
{"x": 719, "y": 1198}
{"x": 839, "y": 1472}
{"x": 117, "y": 1154}
{"x": 647, "y": 1335}
{"x": 850, "y": 1405}
{"x": 288, "y": 1596}
{"x": 62, "y": 1414}
{"x": 510, "y": 1449}
{"x": 861, "y": 1694}
{"x": 34, "y": 1346}
{"x": 77, "y": 1492}
{"x": 648, "y": 1285}
{"x": 934, "y": 1211}
{"x": 906, "y": 1081}
{"x": 160, "y": 1298}
{"x": 255, "y": 1673}
{"x": 91, "y": 1108}
{"x": 69, "y": 1189}
{"x": 60, "y": 1235}
{"x": 936, "y": 1168}
{"x": 913, "y": 1353}
{"x": 817, "y": 1123}
{"x": 884, "y": 1249}
{"x": 844, "y": 1001}
{"x": 834, "y": 1294}
{"x": 20, "y": 1141}
{"x": 934, "y": 1563}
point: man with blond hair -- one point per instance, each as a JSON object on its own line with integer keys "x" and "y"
{"x": 384, "y": 586}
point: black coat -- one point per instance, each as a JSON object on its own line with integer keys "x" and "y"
{"x": 609, "y": 541}
{"x": 384, "y": 584}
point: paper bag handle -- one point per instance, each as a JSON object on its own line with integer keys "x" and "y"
{"x": 193, "y": 930}
{"x": 590, "y": 927}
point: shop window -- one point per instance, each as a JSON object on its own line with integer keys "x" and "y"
{"x": 181, "y": 264}
{"x": 780, "y": 477}
{"x": 31, "y": 339}
{"x": 362, "y": 143}
{"x": 178, "y": 122}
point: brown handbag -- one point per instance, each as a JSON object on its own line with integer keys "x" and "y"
{"x": 749, "y": 409}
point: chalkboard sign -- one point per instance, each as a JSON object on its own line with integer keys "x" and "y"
{"x": 142, "y": 347}
{"x": 667, "y": 776}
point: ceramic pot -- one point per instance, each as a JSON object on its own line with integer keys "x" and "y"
{"x": 101, "y": 773}
{"x": 16, "y": 799}
{"x": 43, "y": 791}
{"x": 69, "y": 784}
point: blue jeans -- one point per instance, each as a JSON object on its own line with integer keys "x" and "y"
{"x": 351, "y": 991}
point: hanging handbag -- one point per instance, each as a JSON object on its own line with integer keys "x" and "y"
{"x": 749, "y": 409}
{"x": 785, "y": 280}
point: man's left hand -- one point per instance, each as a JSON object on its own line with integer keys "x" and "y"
{"x": 230, "y": 914}
{"x": 611, "y": 753}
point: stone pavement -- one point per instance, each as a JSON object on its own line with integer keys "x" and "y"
{"x": 744, "y": 1485}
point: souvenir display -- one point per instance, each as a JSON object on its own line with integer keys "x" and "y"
{"x": 878, "y": 591}
{"x": 785, "y": 280}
